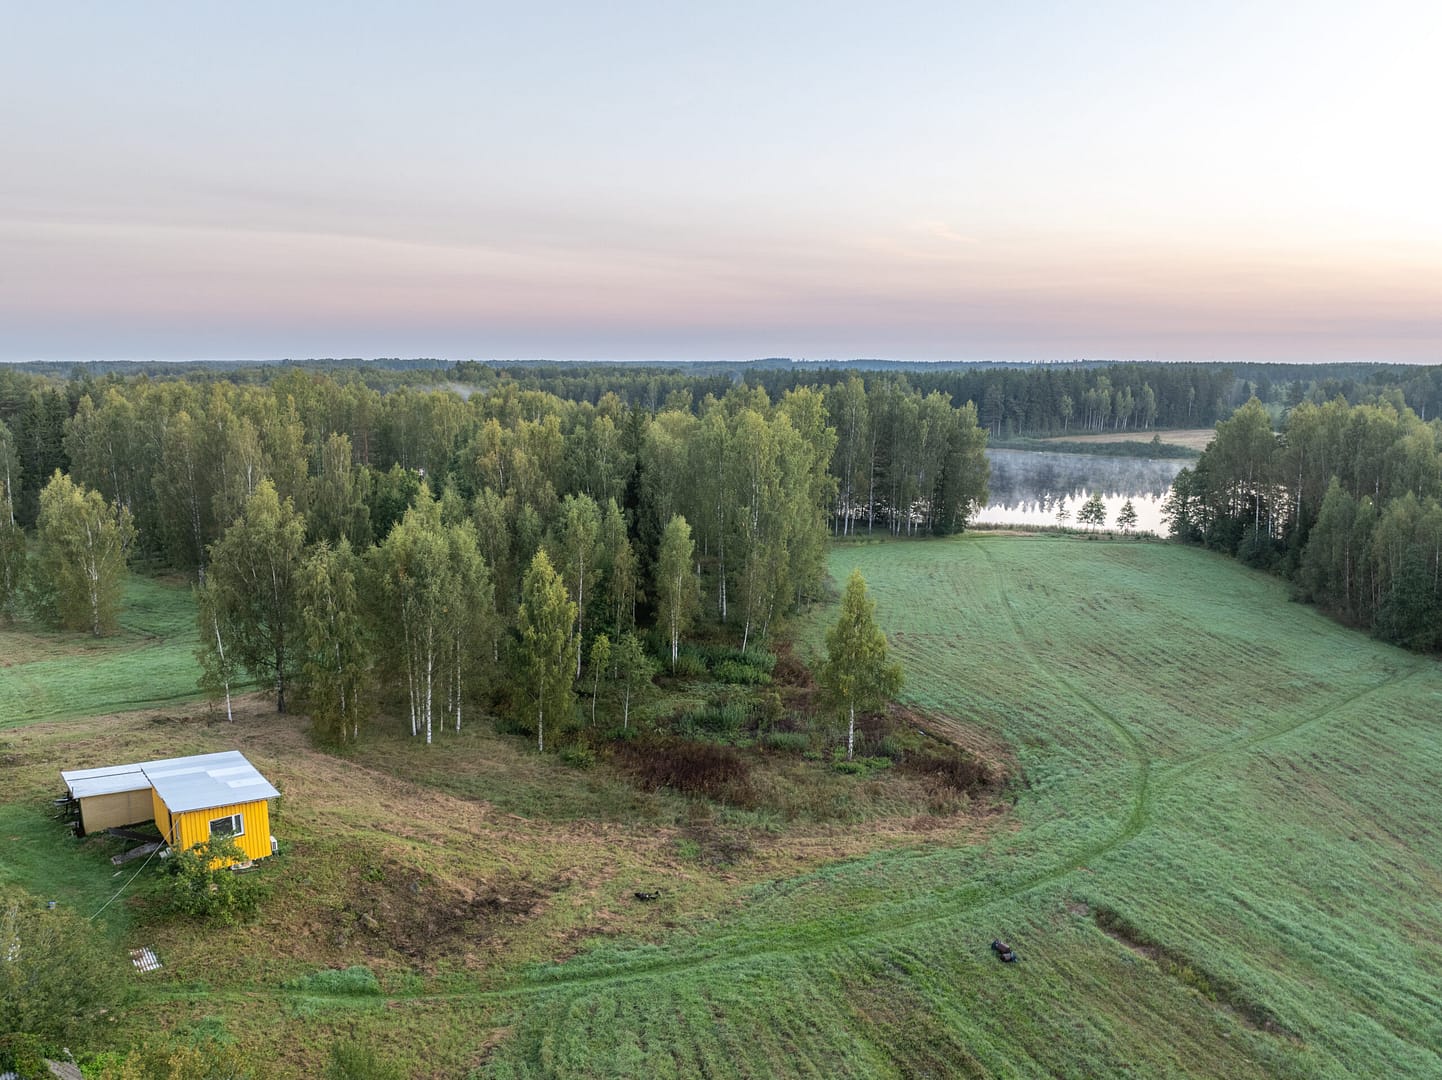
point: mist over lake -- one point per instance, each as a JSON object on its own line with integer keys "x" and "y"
{"x": 1028, "y": 488}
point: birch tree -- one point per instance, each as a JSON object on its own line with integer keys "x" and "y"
{"x": 578, "y": 550}
{"x": 218, "y": 667}
{"x": 599, "y": 661}
{"x": 338, "y": 655}
{"x": 472, "y": 626}
{"x": 9, "y": 474}
{"x": 1093, "y": 512}
{"x": 634, "y": 669}
{"x": 416, "y": 591}
{"x": 1127, "y": 517}
{"x": 12, "y": 567}
{"x": 678, "y": 593}
{"x": 83, "y": 543}
{"x": 858, "y": 672}
{"x": 337, "y": 508}
{"x": 253, "y": 571}
{"x": 619, "y": 570}
{"x": 548, "y": 644}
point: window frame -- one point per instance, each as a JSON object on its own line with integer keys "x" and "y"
{"x": 237, "y": 822}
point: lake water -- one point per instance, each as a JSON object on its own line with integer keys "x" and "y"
{"x": 1028, "y": 488}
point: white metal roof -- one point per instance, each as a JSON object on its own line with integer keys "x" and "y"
{"x": 198, "y": 782}
{"x": 84, "y": 783}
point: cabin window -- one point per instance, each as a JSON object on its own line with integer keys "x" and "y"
{"x": 234, "y": 825}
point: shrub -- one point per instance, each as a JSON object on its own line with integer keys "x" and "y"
{"x": 22, "y": 1055}
{"x": 859, "y": 765}
{"x": 689, "y": 665}
{"x": 786, "y": 742}
{"x": 57, "y": 973}
{"x": 202, "y": 885}
{"x": 953, "y": 767}
{"x": 202, "y": 1059}
{"x": 688, "y": 767}
{"x": 578, "y": 756}
{"x": 717, "y": 655}
{"x": 718, "y": 717}
{"x": 737, "y": 673}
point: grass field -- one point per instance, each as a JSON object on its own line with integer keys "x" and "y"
{"x": 47, "y": 675}
{"x": 1224, "y": 859}
{"x": 1193, "y": 438}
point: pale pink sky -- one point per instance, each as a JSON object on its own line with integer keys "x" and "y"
{"x": 920, "y": 181}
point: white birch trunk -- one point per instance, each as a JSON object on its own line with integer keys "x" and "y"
{"x": 580, "y": 613}
{"x": 430, "y": 674}
{"x": 224, "y": 677}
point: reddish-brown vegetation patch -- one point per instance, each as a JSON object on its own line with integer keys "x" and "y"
{"x": 692, "y": 768}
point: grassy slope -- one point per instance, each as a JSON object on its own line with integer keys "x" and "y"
{"x": 1245, "y": 786}
{"x": 151, "y": 660}
{"x": 1246, "y": 789}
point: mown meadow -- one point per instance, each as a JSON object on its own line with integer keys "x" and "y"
{"x": 50, "y": 675}
{"x": 1219, "y": 855}
{"x": 1224, "y": 858}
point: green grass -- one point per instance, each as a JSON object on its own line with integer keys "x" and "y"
{"x": 1248, "y": 790}
{"x": 1121, "y": 448}
{"x": 1224, "y": 859}
{"x": 49, "y": 675}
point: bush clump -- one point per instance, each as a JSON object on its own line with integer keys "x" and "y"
{"x": 203, "y": 886}
{"x": 717, "y": 655}
{"x": 955, "y": 768}
{"x": 578, "y": 756}
{"x": 688, "y": 767}
{"x": 786, "y": 742}
{"x": 723, "y": 718}
{"x": 689, "y": 665}
{"x": 739, "y": 674}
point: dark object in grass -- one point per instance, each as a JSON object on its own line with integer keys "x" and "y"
{"x": 1004, "y": 951}
{"x": 647, "y": 896}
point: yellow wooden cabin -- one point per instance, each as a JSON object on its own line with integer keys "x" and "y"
{"x": 190, "y": 799}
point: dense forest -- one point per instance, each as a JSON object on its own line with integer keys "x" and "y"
{"x": 444, "y": 538}
{"x": 330, "y": 513}
{"x": 1343, "y": 501}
